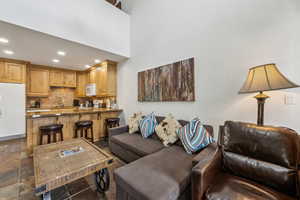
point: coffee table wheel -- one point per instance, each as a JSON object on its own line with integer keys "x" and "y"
{"x": 46, "y": 196}
{"x": 102, "y": 180}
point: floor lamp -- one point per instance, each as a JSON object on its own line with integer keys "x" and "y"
{"x": 264, "y": 78}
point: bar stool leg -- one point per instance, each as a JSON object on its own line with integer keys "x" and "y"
{"x": 86, "y": 133}
{"x": 49, "y": 138}
{"x": 54, "y": 137}
{"x": 76, "y": 133}
{"x": 92, "y": 134}
{"x": 41, "y": 139}
{"x": 61, "y": 136}
{"x": 81, "y": 133}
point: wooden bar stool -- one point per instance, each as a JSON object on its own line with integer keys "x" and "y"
{"x": 84, "y": 127}
{"x": 51, "y": 130}
{"x": 111, "y": 123}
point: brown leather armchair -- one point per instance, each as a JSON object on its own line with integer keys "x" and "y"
{"x": 251, "y": 162}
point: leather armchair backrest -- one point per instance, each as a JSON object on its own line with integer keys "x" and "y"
{"x": 264, "y": 154}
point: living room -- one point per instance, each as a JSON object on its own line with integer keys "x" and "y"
{"x": 233, "y": 50}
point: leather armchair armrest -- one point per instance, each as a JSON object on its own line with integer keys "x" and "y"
{"x": 204, "y": 153}
{"x": 204, "y": 173}
{"x": 118, "y": 130}
{"x": 299, "y": 183}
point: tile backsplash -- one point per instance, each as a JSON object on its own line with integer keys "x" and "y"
{"x": 57, "y": 97}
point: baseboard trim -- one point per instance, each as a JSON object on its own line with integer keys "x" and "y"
{"x": 12, "y": 137}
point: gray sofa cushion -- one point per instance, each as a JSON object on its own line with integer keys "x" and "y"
{"x": 136, "y": 143}
{"x": 122, "y": 153}
{"x": 163, "y": 175}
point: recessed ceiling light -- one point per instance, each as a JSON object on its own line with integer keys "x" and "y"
{"x": 55, "y": 60}
{"x": 97, "y": 61}
{"x": 61, "y": 53}
{"x": 87, "y": 66}
{"x": 9, "y": 52}
{"x": 4, "y": 40}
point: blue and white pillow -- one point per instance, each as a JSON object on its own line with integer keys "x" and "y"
{"x": 147, "y": 125}
{"x": 194, "y": 136}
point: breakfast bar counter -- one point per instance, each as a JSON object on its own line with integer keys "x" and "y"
{"x": 67, "y": 117}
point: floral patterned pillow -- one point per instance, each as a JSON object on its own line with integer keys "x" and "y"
{"x": 133, "y": 122}
{"x": 166, "y": 130}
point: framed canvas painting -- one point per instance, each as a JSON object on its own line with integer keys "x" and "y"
{"x": 172, "y": 82}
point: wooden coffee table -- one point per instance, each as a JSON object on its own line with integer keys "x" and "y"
{"x": 52, "y": 170}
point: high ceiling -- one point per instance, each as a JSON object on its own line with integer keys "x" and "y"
{"x": 41, "y": 49}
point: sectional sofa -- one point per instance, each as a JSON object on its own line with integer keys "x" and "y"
{"x": 153, "y": 172}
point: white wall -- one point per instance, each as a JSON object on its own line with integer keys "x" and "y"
{"x": 95, "y": 23}
{"x": 226, "y": 38}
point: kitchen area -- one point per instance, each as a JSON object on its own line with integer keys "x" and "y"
{"x": 32, "y": 96}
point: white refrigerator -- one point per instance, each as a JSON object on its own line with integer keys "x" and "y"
{"x": 12, "y": 111}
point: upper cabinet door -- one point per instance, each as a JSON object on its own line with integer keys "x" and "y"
{"x": 102, "y": 81}
{"x": 92, "y": 76}
{"x": 12, "y": 72}
{"x": 107, "y": 79}
{"x": 81, "y": 84}
{"x": 38, "y": 82}
{"x": 3, "y": 74}
{"x": 70, "y": 79}
{"x": 111, "y": 80}
{"x": 56, "y": 78}
{"x": 16, "y": 73}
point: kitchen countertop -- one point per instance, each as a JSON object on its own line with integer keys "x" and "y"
{"x": 66, "y": 111}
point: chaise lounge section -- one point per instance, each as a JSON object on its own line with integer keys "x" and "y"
{"x": 154, "y": 172}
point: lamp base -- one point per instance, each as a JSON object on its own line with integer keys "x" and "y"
{"x": 261, "y": 98}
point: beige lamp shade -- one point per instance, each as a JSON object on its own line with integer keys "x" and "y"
{"x": 265, "y": 78}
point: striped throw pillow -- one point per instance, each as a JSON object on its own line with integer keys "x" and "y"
{"x": 147, "y": 125}
{"x": 194, "y": 136}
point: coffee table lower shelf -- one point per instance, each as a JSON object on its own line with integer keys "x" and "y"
{"x": 102, "y": 182}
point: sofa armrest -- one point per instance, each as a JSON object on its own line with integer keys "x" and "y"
{"x": 204, "y": 153}
{"x": 118, "y": 130}
{"x": 204, "y": 173}
{"x": 210, "y": 129}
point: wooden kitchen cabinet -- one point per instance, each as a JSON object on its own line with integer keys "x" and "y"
{"x": 107, "y": 79}
{"x": 104, "y": 75}
{"x": 38, "y": 82}
{"x": 56, "y": 78}
{"x": 12, "y": 72}
{"x": 111, "y": 79}
{"x": 2, "y": 71}
{"x": 81, "y": 84}
{"x": 101, "y": 83}
{"x": 69, "y": 79}
{"x": 92, "y": 76}
{"x": 62, "y": 78}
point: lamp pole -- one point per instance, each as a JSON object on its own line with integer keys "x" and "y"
{"x": 261, "y": 99}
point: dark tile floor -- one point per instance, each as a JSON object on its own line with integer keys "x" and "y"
{"x": 17, "y": 177}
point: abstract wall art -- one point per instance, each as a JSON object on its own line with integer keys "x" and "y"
{"x": 172, "y": 82}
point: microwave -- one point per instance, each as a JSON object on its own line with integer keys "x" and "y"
{"x": 90, "y": 89}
